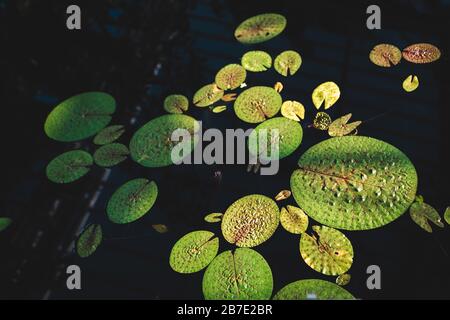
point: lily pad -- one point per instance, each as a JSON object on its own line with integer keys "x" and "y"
{"x": 250, "y": 221}
{"x": 421, "y": 212}
{"x": 411, "y": 83}
{"x": 293, "y": 219}
{"x": 293, "y": 110}
{"x": 151, "y": 145}
{"x": 194, "y": 251}
{"x": 231, "y": 77}
{"x": 176, "y": 103}
{"x": 340, "y": 127}
{"x": 207, "y": 95}
{"x": 322, "y": 121}
{"x": 214, "y": 217}
{"x": 283, "y": 195}
{"x": 229, "y": 97}
{"x": 260, "y": 28}
{"x": 89, "y": 240}
{"x": 343, "y": 279}
{"x": 5, "y": 223}
{"x": 326, "y": 93}
{"x": 385, "y": 55}
{"x": 240, "y": 275}
{"x": 219, "y": 109}
{"x": 313, "y": 289}
{"x": 160, "y": 228}
{"x": 256, "y": 61}
{"x": 327, "y": 251}
{"x": 69, "y": 166}
{"x": 132, "y": 200}
{"x": 110, "y": 154}
{"x": 354, "y": 183}
{"x": 447, "y": 215}
{"x": 421, "y": 53}
{"x": 109, "y": 134}
{"x": 278, "y": 86}
{"x": 287, "y": 63}
{"x": 257, "y": 104}
{"x": 80, "y": 116}
{"x": 264, "y": 138}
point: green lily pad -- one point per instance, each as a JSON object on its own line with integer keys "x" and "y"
{"x": 5, "y": 223}
{"x": 260, "y": 28}
{"x": 447, "y": 215}
{"x": 109, "y": 134}
{"x": 214, "y": 217}
{"x": 240, "y": 275}
{"x": 69, "y": 166}
{"x": 89, "y": 240}
{"x": 110, "y": 154}
{"x": 326, "y": 93}
{"x": 385, "y": 55}
{"x": 421, "y": 53}
{"x": 322, "y": 121}
{"x": 231, "y": 77}
{"x": 343, "y": 279}
{"x": 313, "y": 289}
{"x": 160, "y": 228}
{"x": 354, "y": 183}
{"x": 288, "y": 62}
{"x": 151, "y": 145}
{"x": 411, "y": 83}
{"x": 293, "y": 219}
{"x": 132, "y": 200}
{"x": 257, "y": 104}
{"x": 194, "y": 251}
{"x": 290, "y": 134}
{"x": 176, "y": 103}
{"x": 250, "y": 221}
{"x": 80, "y": 116}
{"x": 256, "y": 61}
{"x": 327, "y": 251}
{"x": 207, "y": 95}
{"x": 421, "y": 212}
{"x": 340, "y": 127}
{"x": 219, "y": 109}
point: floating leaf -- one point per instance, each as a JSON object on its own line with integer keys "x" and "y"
{"x": 176, "y": 103}
{"x": 89, "y": 240}
{"x": 257, "y": 104}
{"x": 214, "y": 217}
{"x": 260, "y": 28}
{"x": 327, "y": 251}
{"x": 4, "y": 223}
{"x": 109, "y": 134}
{"x": 340, "y": 127}
{"x": 132, "y": 200}
{"x": 343, "y": 279}
{"x": 69, "y": 166}
{"x": 288, "y": 63}
{"x": 327, "y": 93}
{"x": 240, "y": 275}
{"x": 219, "y": 109}
{"x": 160, "y": 228}
{"x": 411, "y": 83}
{"x": 264, "y": 138}
{"x": 293, "y": 110}
{"x": 313, "y": 289}
{"x": 354, "y": 183}
{"x": 229, "y": 97}
{"x": 419, "y": 198}
{"x": 278, "y": 87}
{"x": 250, "y": 221}
{"x": 322, "y": 121}
{"x": 421, "y": 53}
{"x": 231, "y": 77}
{"x": 207, "y": 95}
{"x": 110, "y": 154}
{"x": 80, "y": 116}
{"x": 447, "y": 215}
{"x": 194, "y": 251}
{"x": 385, "y": 55}
{"x": 283, "y": 195}
{"x": 151, "y": 145}
{"x": 421, "y": 212}
{"x": 256, "y": 61}
{"x": 294, "y": 220}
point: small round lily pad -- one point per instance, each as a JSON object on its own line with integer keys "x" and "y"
{"x": 343, "y": 279}
{"x": 250, "y": 221}
{"x": 421, "y": 212}
{"x": 109, "y": 134}
{"x": 385, "y": 55}
{"x": 411, "y": 83}
{"x": 240, "y": 275}
{"x": 89, "y": 240}
{"x": 214, "y": 217}
{"x": 176, "y": 103}
{"x": 5, "y": 223}
{"x": 322, "y": 121}
{"x": 421, "y": 53}
{"x": 160, "y": 228}
{"x": 132, "y": 200}
{"x": 207, "y": 95}
{"x": 80, "y": 116}
{"x": 260, "y": 28}
{"x": 231, "y": 76}
{"x": 313, "y": 289}
{"x": 257, "y": 104}
{"x": 69, "y": 166}
{"x": 327, "y": 251}
{"x": 256, "y": 61}
{"x": 293, "y": 219}
{"x": 340, "y": 127}
{"x": 110, "y": 154}
{"x": 326, "y": 93}
{"x": 194, "y": 251}
{"x": 287, "y": 63}
{"x": 293, "y": 110}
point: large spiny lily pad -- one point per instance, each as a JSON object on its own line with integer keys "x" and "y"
{"x": 176, "y": 103}
{"x": 132, "y": 200}
{"x": 151, "y": 145}
{"x": 421, "y": 212}
{"x": 207, "y": 95}
{"x": 293, "y": 219}
{"x": 312, "y": 289}
{"x": 421, "y": 53}
{"x": 256, "y": 61}
{"x": 194, "y": 251}
{"x": 89, "y": 240}
{"x": 250, "y": 221}
{"x": 287, "y": 63}
{"x": 385, "y": 55}
{"x": 80, "y": 116}
{"x": 327, "y": 251}
{"x": 69, "y": 166}
{"x": 109, "y": 134}
{"x": 326, "y": 93}
{"x": 290, "y": 134}
{"x": 257, "y": 104}
{"x": 110, "y": 154}
{"x": 260, "y": 28}
{"x": 240, "y": 275}
{"x": 231, "y": 76}
{"x": 354, "y": 183}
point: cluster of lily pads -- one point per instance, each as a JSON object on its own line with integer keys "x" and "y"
{"x": 347, "y": 182}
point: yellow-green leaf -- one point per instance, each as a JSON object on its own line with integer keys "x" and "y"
{"x": 326, "y": 93}
{"x": 411, "y": 83}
